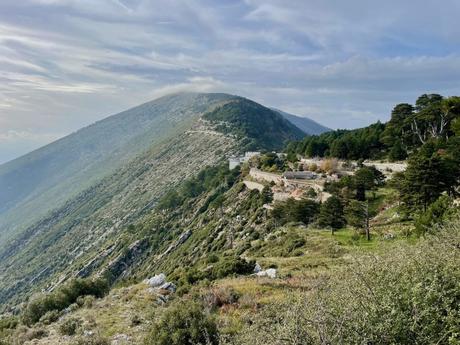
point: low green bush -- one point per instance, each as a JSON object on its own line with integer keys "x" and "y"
{"x": 184, "y": 324}
{"x": 226, "y": 266}
{"x": 50, "y": 317}
{"x": 409, "y": 295}
{"x": 25, "y": 334}
{"x": 62, "y": 298}
{"x": 232, "y": 265}
{"x": 9, "y": 322}
{"x": 70, "y": 326}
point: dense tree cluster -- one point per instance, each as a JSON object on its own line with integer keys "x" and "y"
{"x": 256, "y": 126}
{"x": 433, "y": 117}
{"x": 216, "y": 177}
{"x": 295, "y": 211}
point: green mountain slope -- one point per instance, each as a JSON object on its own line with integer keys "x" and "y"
{"x": 93, "y": 225}
{"x": 259, "y": 127}
{"x": 43, "y": 179}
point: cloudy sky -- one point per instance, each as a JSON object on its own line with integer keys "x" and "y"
{"x": 67, "y": 63}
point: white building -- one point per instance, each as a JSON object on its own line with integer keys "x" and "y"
{"x": 234, "y": 161}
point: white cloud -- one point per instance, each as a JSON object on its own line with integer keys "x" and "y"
{"x": 67, "y": 63}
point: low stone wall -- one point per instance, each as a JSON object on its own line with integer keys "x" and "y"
{"x": 253, "y": 185}
{"x": 265, "y": 176}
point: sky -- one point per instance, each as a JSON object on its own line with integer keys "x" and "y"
{"x": 65, "y": 64}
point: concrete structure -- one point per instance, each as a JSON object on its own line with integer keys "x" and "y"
{"x": 299, "y": 175}
{"x": 250, "y": 154}
{"x": 234, "y": 161}
{"x": 265, "y": 176}
{"x": 387, "y": 168}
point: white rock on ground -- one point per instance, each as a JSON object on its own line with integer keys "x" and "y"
{"x": 271, "y": 273}
{"x": 156, "y": 280}
{"x": 168, "y": 286}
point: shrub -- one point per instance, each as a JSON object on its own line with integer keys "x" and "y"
{"x": 184, "y": 323}
{"x": 27, "y": 334}
{"x": 50, "y": 317}
{"x": 86, "y": 301}
{"x": 9, "y": 322}
{"x": 213, "y": 258}
{"x": 69, "y": 326}
{"x": 135, "y": 320}
{"x": 219, "y": 296}
{"x": 62, "y": 298}
{"x": 438, "y": 212}
{"x": 409, "y": 295}
{"x": 232, "y": 265}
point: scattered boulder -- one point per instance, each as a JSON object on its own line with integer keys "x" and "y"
{"x": 156, "y": 280}
{"x": 162, "y": 299}
{"x": 257, "y": 268}
{"x": 271, "y": 273}
{"x": 168, "y": 286}
{"x": 160, "y": 287}
{"x": 120, "y": 339}
{"x": 389, "y": 236}
{"x": 182, "y": 238}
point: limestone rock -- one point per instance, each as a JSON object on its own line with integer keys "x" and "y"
{"x": 157, "y": 280}
{"x": 168, "y": 286}
{"x": 271, "y": 273}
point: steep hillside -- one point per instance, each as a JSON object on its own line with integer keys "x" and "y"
{"x": 75, "y": 238}
{"x": 41, "y": 180}
{"x": 304, "y": 123}
{"x": 196, "y": 244}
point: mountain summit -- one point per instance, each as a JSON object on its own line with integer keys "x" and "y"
{"x": 64, "y": 201}
{"x": 41, "y": 180}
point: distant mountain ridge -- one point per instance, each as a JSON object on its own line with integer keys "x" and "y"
{"x": 41, "y": 180}
{"x": 307, "y": 125}
{"x": 77, "y": 195}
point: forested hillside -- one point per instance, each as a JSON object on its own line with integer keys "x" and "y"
{"x": 258, "y": 127}
{"x": 433, "y": 117}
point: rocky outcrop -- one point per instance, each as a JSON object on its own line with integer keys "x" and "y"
{"x": 182, "y": 238}
{"x": 121, "y": 264}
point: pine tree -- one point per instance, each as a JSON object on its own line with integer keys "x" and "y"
{"x": 331, "y": 214}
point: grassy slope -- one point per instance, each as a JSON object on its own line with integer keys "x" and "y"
{"x": 321, "y": 254}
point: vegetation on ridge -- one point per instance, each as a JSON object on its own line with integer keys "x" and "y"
{"x": 433, "y": 117}
{"x": 258, "y": 127}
